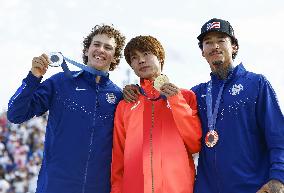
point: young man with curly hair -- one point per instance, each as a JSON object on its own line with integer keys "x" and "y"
{"x": 154, "y": 138}
{"x": 78, "y": 141}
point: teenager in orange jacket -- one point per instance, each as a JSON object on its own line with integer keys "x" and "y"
{"x": 155, "y": 137}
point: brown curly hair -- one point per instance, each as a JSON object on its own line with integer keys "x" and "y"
{"x": 144, "y": 44}
{"x": 111, "y": 32}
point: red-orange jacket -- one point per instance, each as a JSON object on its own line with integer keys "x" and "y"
{"x": 152, "y": 150}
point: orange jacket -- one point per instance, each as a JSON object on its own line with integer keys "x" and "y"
{"x": 155, "y": 155}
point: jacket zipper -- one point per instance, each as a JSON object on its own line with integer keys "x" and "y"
{"x": 216, "y": 170}
{"x": 151, "y": 146}
{"x": 91, "y": 142}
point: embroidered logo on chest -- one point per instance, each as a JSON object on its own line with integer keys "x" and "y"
{"x": 111, "y": 98}
{"x": 168, "y": 105}
{"x": 135, "y": 105}
{"x": 236, "y": 89}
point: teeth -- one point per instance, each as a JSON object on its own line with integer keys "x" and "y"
{"x": 99, "y": 58}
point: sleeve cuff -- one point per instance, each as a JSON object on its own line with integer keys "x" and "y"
{"x": 32, "y": 80}
{"x": 277, "y": 175}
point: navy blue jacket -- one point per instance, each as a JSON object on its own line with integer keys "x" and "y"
{"x": 250, "y": 124}
{"x": 78, "y": 140}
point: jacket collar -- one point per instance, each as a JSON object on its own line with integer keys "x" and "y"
{"x": 90, "y": 77}
{"x": 236, "y": 71}
{"x": 147, "y": 86}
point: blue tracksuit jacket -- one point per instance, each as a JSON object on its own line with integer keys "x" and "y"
{"x": 78, "y": 140}
{"x": 250, "y": 124}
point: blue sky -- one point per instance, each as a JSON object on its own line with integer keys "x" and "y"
{"x": 31, "y": 27}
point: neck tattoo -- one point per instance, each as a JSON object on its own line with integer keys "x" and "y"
{"x": 222, "y": 72}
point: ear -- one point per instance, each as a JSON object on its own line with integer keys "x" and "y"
{"x": 235, "y": 48}
{"x": 86, "y": 52}
{"x": 203, "y": 53}
{"x": 113, "y": 60}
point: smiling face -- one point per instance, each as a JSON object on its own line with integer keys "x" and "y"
{"x": 218, "y": 50}
{"x": 101, "y": 52}
{"x": 145, "y": 64}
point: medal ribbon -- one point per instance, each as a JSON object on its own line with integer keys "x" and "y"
{"x": 212, "y": 117}
{"x": 151, "y": 99}
{"x": 81, "y": 66}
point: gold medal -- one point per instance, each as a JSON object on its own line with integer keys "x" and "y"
{"x": 211, "y": 138}
{"x": 160, "y": 80}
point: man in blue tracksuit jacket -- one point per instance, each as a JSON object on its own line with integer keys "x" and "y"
{"x": 243, "y": 126}
{"x": 78, "y": 141}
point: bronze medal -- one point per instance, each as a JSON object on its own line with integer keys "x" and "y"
{"x": 211, "y": 138}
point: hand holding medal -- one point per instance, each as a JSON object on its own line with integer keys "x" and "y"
{"x": 40, "y": 65}
{"x": 57, "y": 59}
{"x": 158, "y": 84}
{"x": 163, "y": 85}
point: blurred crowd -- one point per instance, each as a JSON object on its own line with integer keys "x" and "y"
{"x": 21, "y": 152}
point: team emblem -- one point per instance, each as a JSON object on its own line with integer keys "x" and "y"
{"x": 111, "y": 98}
{"x": 236, "y": 89}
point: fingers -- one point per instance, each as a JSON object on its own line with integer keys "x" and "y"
{"x": 273, "y": 186}
{"x": 45, "y": 56}
{"x": 40, "y": 65}
{"x": 264, "y": 189}
{"x": 130, "y": 93}
{"x": 169, "y": 89}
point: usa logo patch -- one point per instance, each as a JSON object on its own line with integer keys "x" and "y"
{"x": 111, "y": 98}
{"x": 213, "y": 25}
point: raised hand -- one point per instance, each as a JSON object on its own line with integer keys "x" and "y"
{"x": 40, "y": 65}
{"x": 169, "y": 89}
